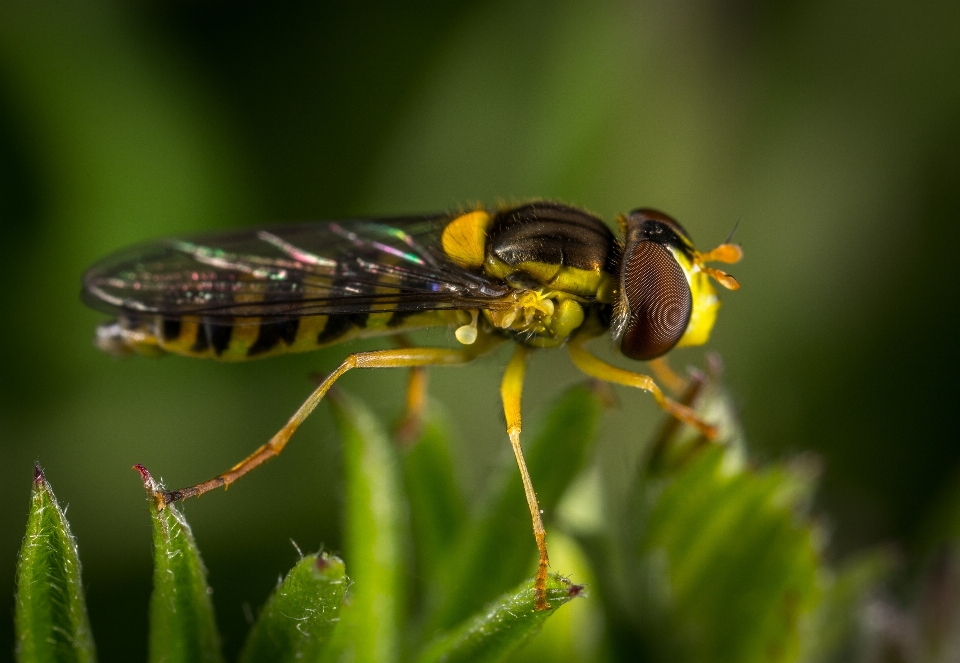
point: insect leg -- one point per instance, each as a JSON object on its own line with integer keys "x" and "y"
{"x": 597, "y": 368}
{"x": 411, "y": 422}
{"x": 511, "y": 390}
{"x": 399, "y": 358}
{"x": 674, "y": 382}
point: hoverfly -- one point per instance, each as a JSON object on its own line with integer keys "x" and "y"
{"x": 543, "y": 275}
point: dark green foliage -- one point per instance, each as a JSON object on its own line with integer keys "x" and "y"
{"x": 306, "y": 619}
{"x": 51, "y": 618}
{"x": 437, "y": 509}
{"x": 740, "y": 570}
{"x": 714, "y": 560}
{"x": 375, "y": 522}
{"x": 707, "y": 558}
{"x": 826, "y": 637}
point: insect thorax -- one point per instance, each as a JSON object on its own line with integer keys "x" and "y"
{"x": 540, "y": 318}
{"x": 558, "y": 261}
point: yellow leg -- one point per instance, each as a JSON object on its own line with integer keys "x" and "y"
{"x": 511, "y": 389}
{"x": 409, "y": 427}
{"x": 597, "y": 368}
{"x": 399, "y": 358}
{"x": 673, "y": 382}
{"x": 411, "y": 423}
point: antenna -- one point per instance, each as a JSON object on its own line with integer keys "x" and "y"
{"x": 734, "y": 231}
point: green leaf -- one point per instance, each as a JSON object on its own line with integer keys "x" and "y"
{"x": 718, "y": 561}
{"x": 375, "y": 523}
{"x": 437, "y": 510}
{"x": 297, "y": 620}
{"x": 498, "y": 549}
{"x": 574, "y": 634}
{"x": 50, "y": 614}
{"x": 741, "y": 569}
{"x": 833, "y": 631}
{"x": 501, "y": 627}
{"x": 182, "y": 625}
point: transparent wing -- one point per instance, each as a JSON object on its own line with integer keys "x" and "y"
{"x": 316, "y": 268}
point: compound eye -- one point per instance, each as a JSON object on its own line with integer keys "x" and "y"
{"x": 659, "y": 301}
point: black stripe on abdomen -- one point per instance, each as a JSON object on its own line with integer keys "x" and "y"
{"x": 399, "y": 318}
{"x": 338, "y": 325}
{"x": 170, "y": 329}
{"x": 212, "y": 335}
{"x": 202, "y": 342}
{"x": 271, "y": 333}
{"x": 219, "y": 337}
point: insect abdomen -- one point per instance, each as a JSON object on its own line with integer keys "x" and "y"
{"x": 252, "y": 338}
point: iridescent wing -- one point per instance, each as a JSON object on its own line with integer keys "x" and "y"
{"x": 286, "y": 272}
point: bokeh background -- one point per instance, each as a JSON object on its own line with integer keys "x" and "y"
{"x": 831, "y": 128}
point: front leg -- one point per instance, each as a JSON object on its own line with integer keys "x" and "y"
{"x": 597, "y": 368}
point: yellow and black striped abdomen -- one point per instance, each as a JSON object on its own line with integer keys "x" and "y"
{"x": 251, "y": 338}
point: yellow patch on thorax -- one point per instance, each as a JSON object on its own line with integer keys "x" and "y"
{"x": 464, "y": 239}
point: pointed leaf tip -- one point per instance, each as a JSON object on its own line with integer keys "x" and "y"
{"x": 501, "y": 627}
{"x": 50, "y": 614}
{"x": 298, "y": 619}
{"x": 154, "y": 490}
{"x": 182, "y": 624}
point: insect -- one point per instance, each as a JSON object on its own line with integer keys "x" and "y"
{"x": 543, "y": 275}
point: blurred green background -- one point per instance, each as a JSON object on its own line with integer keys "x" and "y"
{"x": 832, "y": 129}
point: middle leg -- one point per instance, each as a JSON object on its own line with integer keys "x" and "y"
{"x": 511, "y": 389}
{"x": 410, "y": 425}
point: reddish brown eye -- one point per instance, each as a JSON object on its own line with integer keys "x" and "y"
{"x": 659, "y": 300}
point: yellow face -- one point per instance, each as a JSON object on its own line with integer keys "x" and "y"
{"x": 705, "y": 303}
